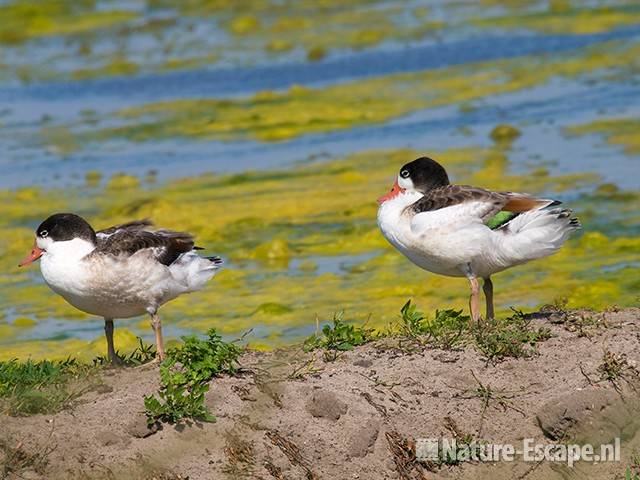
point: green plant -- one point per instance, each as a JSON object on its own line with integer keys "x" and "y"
{"x": 412, "y": 322}
{"x": 513, "y": 336}
{"x": 632, "y": 472}
{"x": 185, "y": 376}
{"x": 614, "y": 368}
{"x": 445, "y": 331}
{"x": 45, "y": 386}
{"x": 338, "y": 337}
{"x": 143, "y": 353}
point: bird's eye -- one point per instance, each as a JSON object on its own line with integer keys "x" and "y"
{"x": 44, "y": 233}
{"x": 404, "y": 173}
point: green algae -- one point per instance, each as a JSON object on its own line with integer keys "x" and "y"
{"x": 21, "y": 20}
{"x": 504, "y": 133}
{"x": 318, "y": 210}
{"x": 253, "y": 28}
{"x": 617, "y": 131}
{"x": 246, "y": 31}
{"x": 277, "y": 116}
{"x": 122, "y": 181}
{"x": 568, "y": 20}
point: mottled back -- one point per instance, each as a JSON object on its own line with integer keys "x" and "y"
{"x": 132, "y": 237}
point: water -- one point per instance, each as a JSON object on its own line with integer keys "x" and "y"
{"x": 560, "y": 101}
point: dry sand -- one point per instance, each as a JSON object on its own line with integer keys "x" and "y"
{"x": 291, "y": 415}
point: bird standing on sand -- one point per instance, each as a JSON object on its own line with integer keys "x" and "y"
{"x": 463, "y": 231}
{"x": 121, "y": 272}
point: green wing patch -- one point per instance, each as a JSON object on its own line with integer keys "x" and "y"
{"x": 500, "y": 218}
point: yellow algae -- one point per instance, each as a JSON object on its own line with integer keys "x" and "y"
{"x": 92, "y": 178}
{"x": 316, "y": 53}
{"x": 292, "y": 215}
{"x": 598, "y": 295}
{"x": 504, "y": 133}
{"x": 273, "y": 308}
{"x": 279, "y": 46}
{"x": 319, "y": 28}
{"x": 115, "y": 66}
{"x": 617, "y": 131}
{"x": 6, "y": 331}
{"x": 24, "y": 322}
{"x": 276, "y": 249}
{"x": 567, "y": 20}
{"x": 122, "y": 181}
{"x": 244, "y": 24}
{"x": 280, "y": 116}
{"x": 255, "y": 26}
{"x": 308, "y": 266}
{"x": 85, "y": 351}
{"x": 20, "y": 21}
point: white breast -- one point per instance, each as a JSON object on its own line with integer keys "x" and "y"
{"x": 440, "y": 241}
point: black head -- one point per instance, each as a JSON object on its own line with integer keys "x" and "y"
{"x": 423, "y": 174}
{"x": 66, "y": 226}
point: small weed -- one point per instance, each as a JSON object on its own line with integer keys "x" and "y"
{"x": 306, "y": 368}
{"x": 614, "y": 368}
{"x": 15, "y": 457}
{"x": 185, "y": 376}
{"x": 490, "y": 396}
{"x": 514, "y": 337}
{"x": 143, "y": 353}
{"x": 29, "y": 387}
{"x": 631, "y": 474}
{"x": 465, "y": 444}
{"x": 632, "y": 471}
{"x": 412, "y": 322}
{"x": 338, "y": 338}
{"x": 445, "y": 331}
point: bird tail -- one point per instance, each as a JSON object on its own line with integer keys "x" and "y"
{"x": 195, "y": 271}
{"x": 535, "y": 234}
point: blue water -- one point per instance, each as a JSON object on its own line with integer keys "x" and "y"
{"x": 243, "y": 81}
{"x": 27, "y": 161}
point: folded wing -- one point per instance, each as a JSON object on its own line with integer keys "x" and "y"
{"x": 464, "y": 205}
{"x": 129, "y": 238}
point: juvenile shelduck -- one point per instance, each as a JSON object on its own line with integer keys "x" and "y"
{"x": 458, "y": 230}
{"x": 121, "y": 272}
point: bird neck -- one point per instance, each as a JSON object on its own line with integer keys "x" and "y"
{"x": 69, "y": 250}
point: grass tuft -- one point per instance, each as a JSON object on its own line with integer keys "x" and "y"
{"x": 445, "y": 331}
{"x": 615, "y": 368}
{"x": 632, "y": 472}
{"x": 513, "y": 336}
{"x": 338, "y": 337}
{"x": 143, "y": 353}
{"x": 29, "y": 387}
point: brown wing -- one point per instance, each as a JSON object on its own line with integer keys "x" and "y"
{"x": 129, "y": 226}
{"x": 450, "y": 195}
{"x": 165, "y": 245}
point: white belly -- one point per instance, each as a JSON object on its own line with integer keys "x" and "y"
{"x": 110, "y": 287}
{"x": 444, "y": 249}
